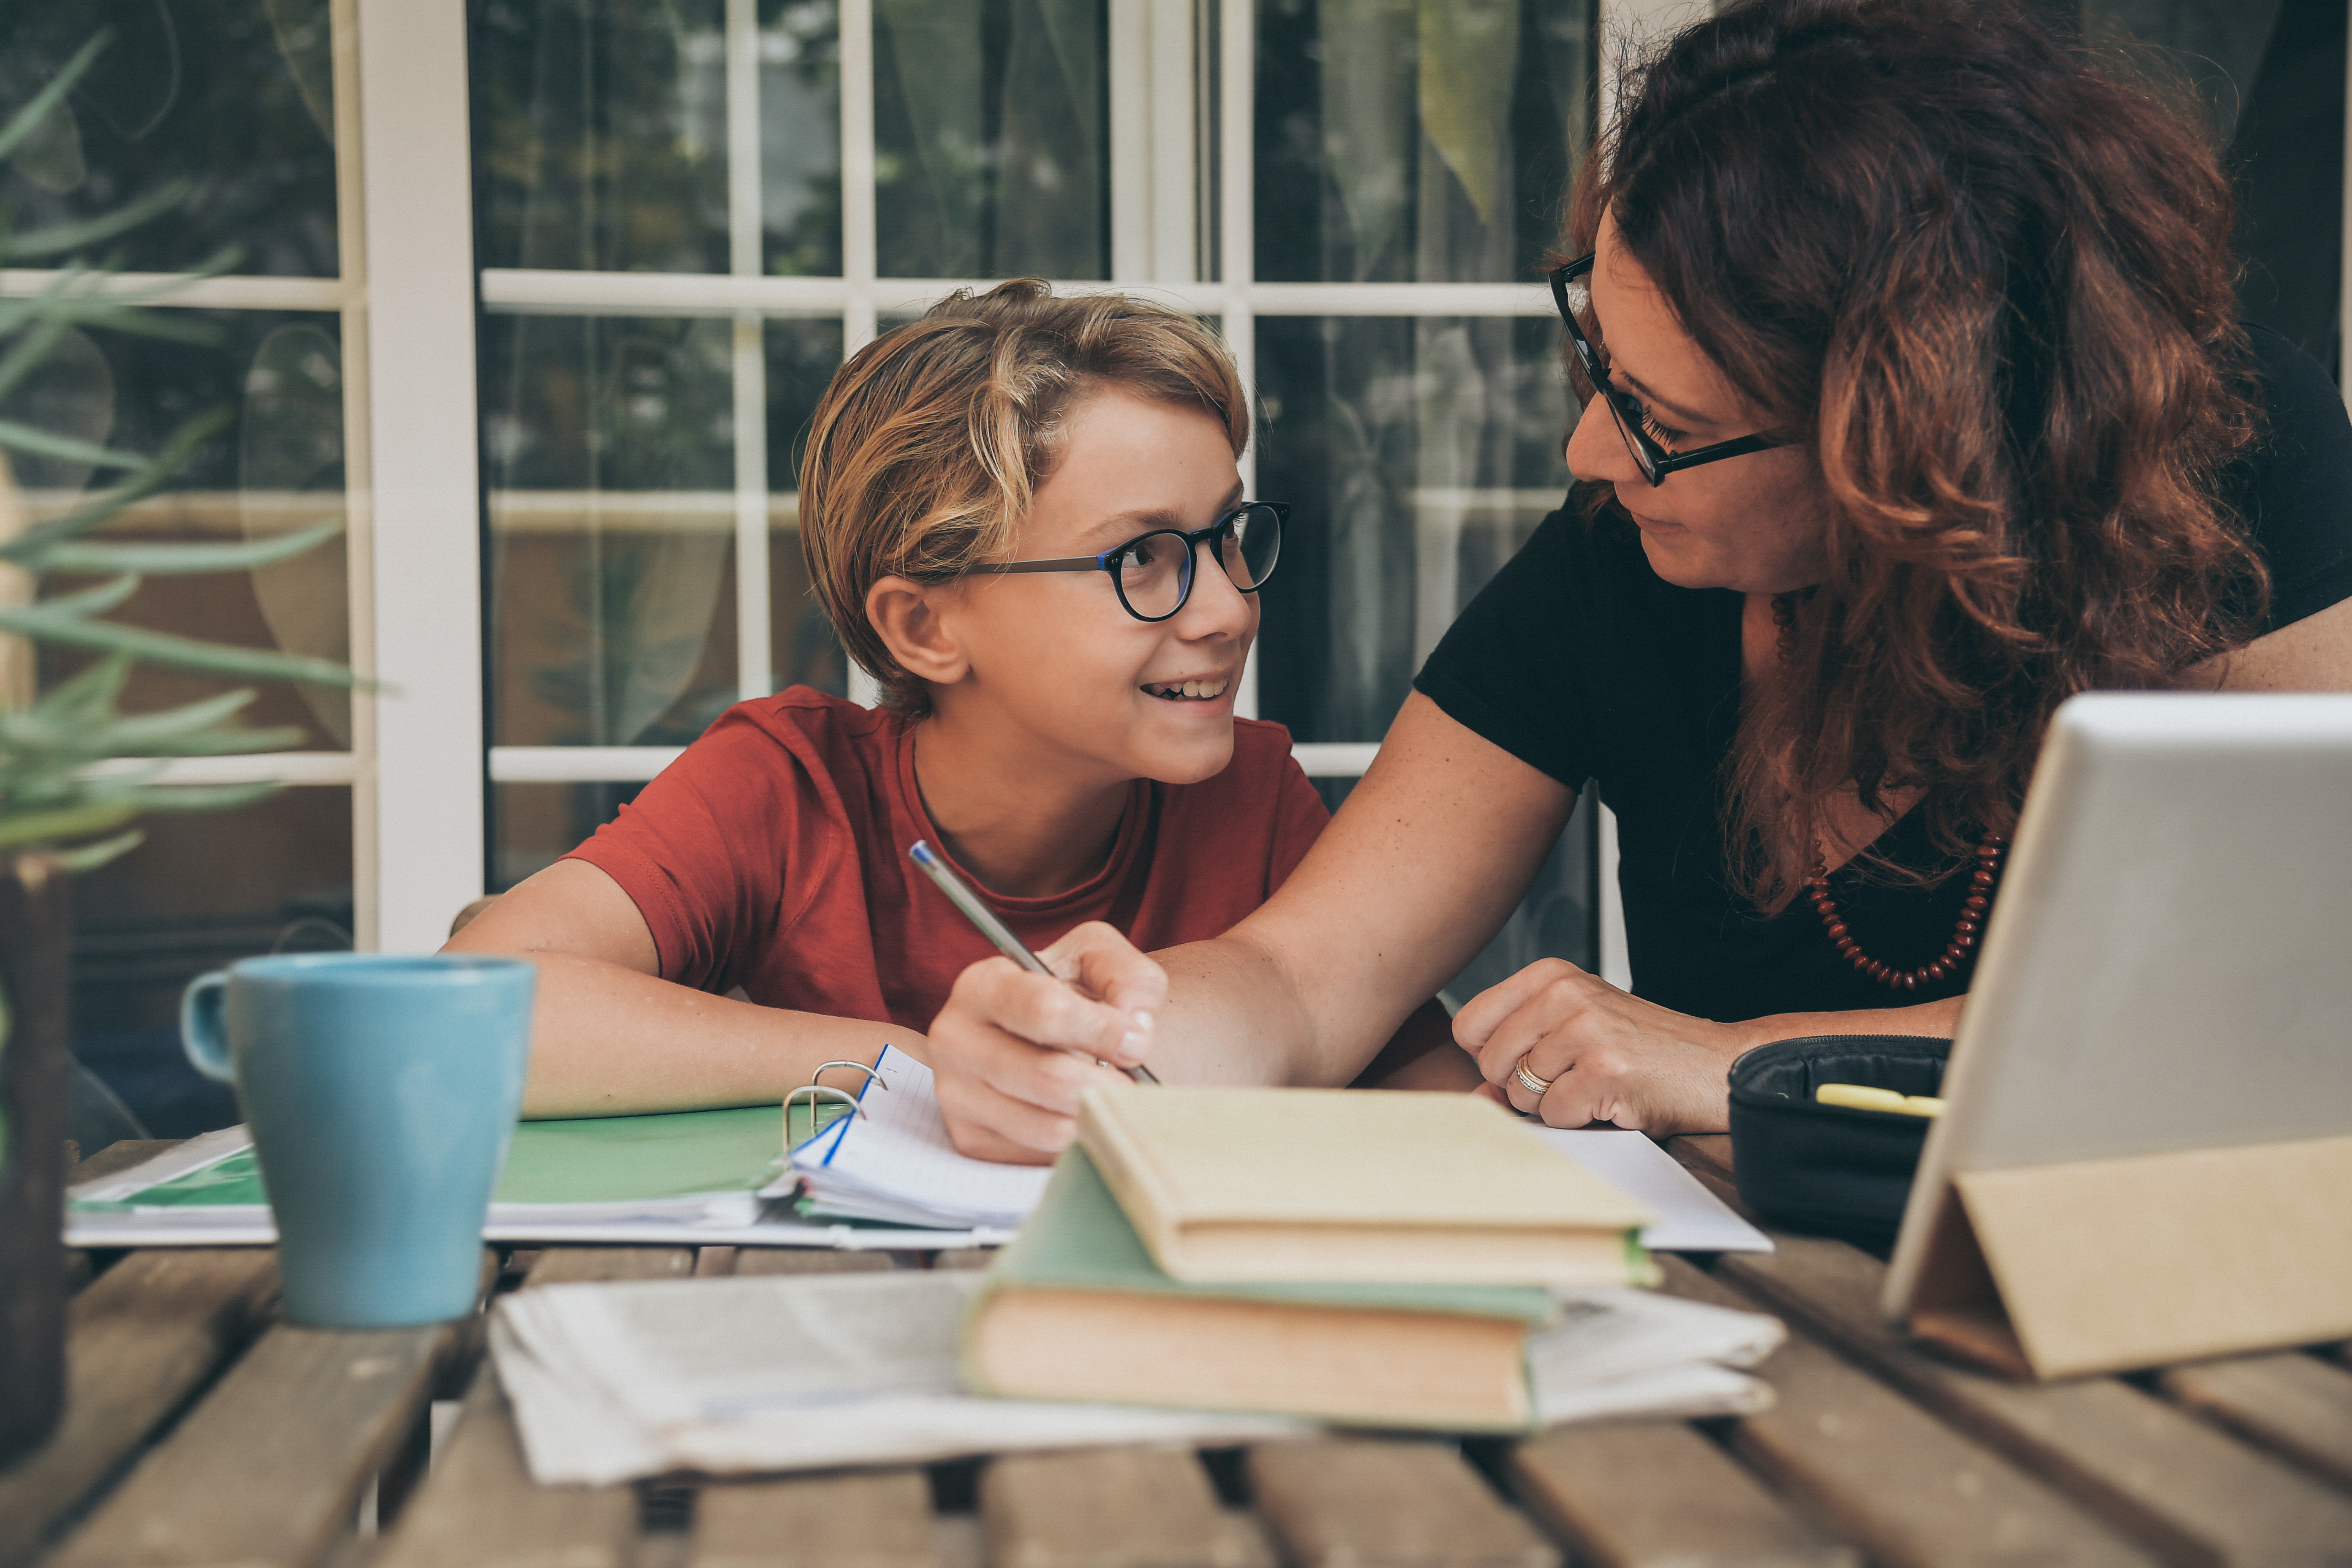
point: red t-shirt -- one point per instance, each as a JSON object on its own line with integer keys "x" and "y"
{"x": 772, "y": 856}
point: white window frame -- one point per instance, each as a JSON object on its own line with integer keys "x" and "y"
{"x": 419, "y": 760}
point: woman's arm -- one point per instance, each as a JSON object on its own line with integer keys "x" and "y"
{"x": 610, "y": 1037}
{"x": 1429, "y": 856}
{"x": 2314, "y": 654}
{"x": 1611, "y": 1057}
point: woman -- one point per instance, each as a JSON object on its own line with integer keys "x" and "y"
{"x": 1924, "y": 407}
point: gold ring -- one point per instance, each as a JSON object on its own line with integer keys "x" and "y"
{"x": 1529, "y": 1081}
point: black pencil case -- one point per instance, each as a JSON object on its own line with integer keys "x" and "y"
{"x": 1831, "y": 1169}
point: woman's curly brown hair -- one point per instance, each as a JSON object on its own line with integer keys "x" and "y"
{"x": 1986, "y": 270}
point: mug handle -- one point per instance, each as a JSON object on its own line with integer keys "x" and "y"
{"x": 201, "y": 1033}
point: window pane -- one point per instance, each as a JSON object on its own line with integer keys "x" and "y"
{"x": 1417, "y": 143}
{"x": 235, "y": 97}
{"x": 1420, "y": 454}
{"x": 609, "y": 453}
{"x": 990, "y": 138}
{"x": 201, "y": 891}
{"x": 800, "y": 137}
{"x": 536, "y": 824}
{"x": 276, "y": 467}
{"x": 802, "y": 358}
{"x": 600, "y": 134}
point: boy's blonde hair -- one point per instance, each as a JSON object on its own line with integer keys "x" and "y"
{"x": 926, "y": 449}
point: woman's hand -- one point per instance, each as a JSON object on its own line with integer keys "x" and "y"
{"x": 1012, "y": 1050}
{"x": 1611, "y": 1056}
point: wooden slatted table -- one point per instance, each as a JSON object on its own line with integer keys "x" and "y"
{"x": 204, "y": 1433}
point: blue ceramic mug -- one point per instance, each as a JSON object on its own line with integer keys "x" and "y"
{"x": 381, "y": 1092}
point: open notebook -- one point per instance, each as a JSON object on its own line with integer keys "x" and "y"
{"x": 892, "y": 1161}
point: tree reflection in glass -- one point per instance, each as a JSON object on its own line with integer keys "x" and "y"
{"x": 609, "y": 453}
{"x": 991, "y": 131}
{"x": 600, "y": 135}
{"x": 235, "y": 97}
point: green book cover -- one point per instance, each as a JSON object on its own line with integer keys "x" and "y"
{"x": 587, "y": 1159}
{"x": 1079, "y": 1238}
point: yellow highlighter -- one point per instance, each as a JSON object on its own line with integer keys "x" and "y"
{"x": 1862, "y": 1097}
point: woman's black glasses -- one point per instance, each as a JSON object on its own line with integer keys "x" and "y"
{"x": 1153, "y": 571}
{"x": 1632, "y": 419}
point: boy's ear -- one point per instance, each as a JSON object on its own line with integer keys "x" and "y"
{"x": 905, "y": 614}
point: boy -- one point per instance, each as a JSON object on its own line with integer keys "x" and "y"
{"x": 1023, "y": 517}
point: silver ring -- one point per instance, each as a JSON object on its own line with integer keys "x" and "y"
{"x": 1529, "y": 1081}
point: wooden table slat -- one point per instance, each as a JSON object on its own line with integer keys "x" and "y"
{"x": 479, "y": 1508}
{"x": 576, "y": 1264}
{"x": 808, "y": 1260}
{"x": 1659, "y": 1495}
{"x": 1707, "y": 1151}
{"x": 147, "y": 1335}
{"x": 2169, "y": 1479}
{"x": 964, "y": 1257}
{"x": 1360, "y": 1502}
{"x": 1911, "y": 1491}
{"x": 881, "y": 1519}
{"x": 266, "y": 1470}
{"x": 2294, "y": 1404}
{"x": 1144, "y": 1506}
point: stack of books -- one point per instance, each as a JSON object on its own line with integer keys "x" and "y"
{"x": 1389, "y": 1260}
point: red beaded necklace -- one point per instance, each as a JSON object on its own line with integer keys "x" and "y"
{"x": 1957, "y": 952}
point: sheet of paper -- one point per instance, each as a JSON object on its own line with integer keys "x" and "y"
{"x": 612, "y": 1382}
{"x": 1608, "y": 1334}
{"x": 1690, "y": 1218}
{"x": 894, "y": 1161}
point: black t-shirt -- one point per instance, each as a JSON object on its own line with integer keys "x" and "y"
{"x": 1579, "y": 659}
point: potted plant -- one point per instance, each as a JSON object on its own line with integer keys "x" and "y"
{"x": 76, "y": 773}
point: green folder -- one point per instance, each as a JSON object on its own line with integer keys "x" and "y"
{"x": 595, "y": 1159}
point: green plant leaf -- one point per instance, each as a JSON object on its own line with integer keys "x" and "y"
{"x": 203, "y": 797}
{"x": 19, "y": 829}
{"x": 122, "y": 736}
{"x": 178, "y": 560}
{"x": 27, "y": 119}
{"x": 229, "y": 742}
{"x": 64, "y": 237}
{"x": 29, "y": 439}
{"x": 90, "y": 857}
{"x": 194, "y": 729}
{"x": 31, "y": 349}
{"x": 88, "y": 602}
{"x": 86, "y": 697}
{"x": 158, "y": 473}
{"x": 178, "y": 652}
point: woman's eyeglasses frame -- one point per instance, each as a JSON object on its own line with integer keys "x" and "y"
{"x": 1625, "y": 410}
{"x": 1108, "y": 560}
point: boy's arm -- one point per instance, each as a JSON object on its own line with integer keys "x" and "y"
{"x": 610, "y": 1037}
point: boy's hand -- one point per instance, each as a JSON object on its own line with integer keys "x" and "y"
{"x": 1012, "y": 1049}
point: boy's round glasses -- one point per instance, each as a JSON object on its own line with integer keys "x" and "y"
{"x": 1153, "y": 571}
{"x": 1652, "y": 458}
